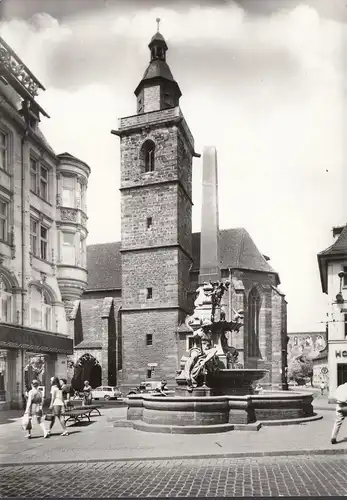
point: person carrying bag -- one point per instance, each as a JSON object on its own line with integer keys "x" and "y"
{"x": 33, "y": 409}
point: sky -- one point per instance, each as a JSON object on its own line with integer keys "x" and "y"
{"x": 263, "y": 81}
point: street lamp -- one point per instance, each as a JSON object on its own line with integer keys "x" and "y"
{"x": 339, "y": 296}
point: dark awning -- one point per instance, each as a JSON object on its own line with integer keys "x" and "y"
{"x": 19, "y": 337}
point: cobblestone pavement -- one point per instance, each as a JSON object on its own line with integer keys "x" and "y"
{"x": 266, "y": 476}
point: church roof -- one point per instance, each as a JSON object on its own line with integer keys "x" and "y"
{"x": 104, "y": 266}
{"x": 337, "y": 250}
{"x": 237, "y": 251}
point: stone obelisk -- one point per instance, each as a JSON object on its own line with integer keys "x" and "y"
{"x": 209, "y": 245}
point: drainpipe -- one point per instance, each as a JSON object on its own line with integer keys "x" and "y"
{"x": 23, "y": 141}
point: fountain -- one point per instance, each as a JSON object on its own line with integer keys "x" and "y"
{"x": 214, "y": 392}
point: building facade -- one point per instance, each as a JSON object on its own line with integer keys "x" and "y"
{"x": 314, "y": 347}
{"x": 333, "y": 274}
{"x": 42, "y": 238}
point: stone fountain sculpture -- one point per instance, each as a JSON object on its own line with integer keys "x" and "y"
{"x": 210, "y": 351}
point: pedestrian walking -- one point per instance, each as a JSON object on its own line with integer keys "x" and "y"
{"x": 87, "y": 394}
{"x": 322, "y": 387}
{"x": 57, "y": 405}
{"x": 34, "y": 408}
{"x": 66, "y": 389}
{"x": 341, "y": 410}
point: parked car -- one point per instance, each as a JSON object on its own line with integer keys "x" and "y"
{"x": 106, "y": 392}
{"x": 150, "y": 386}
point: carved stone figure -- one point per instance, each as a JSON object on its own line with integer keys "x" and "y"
{"x": 202, "y": 357}
{"x": 218, "y": 289}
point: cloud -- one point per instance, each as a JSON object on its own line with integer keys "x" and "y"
{"x": 268, "y": 91}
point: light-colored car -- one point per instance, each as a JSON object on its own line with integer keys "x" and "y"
{"x": 106, "y": 392}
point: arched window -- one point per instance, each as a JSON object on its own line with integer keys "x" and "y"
{"x": 253, "y": 322}
{"x": 40, "y": 309}
{"x": 5, "y": 302}
{"x": 147, "y": 156}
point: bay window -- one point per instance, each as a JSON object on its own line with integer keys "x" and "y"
{"x": 68, "y": 192}
{"x": 68, "y": 248}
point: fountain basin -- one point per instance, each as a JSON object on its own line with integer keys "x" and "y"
{"x": 208, "y": 414}
{"x": 235, "y": 381}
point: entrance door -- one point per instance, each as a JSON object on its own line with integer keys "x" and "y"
{"x": 341, "y": 373}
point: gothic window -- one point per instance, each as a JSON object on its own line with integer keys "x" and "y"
{"x": 5, "y": 303}
{"x": 147, "y": 156}
{"x": 253, "y": 322}
{"x": 345, "y": 276}
{"x": 40, "y": 309}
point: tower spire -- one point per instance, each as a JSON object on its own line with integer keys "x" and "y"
{"x": 158, "y": 89}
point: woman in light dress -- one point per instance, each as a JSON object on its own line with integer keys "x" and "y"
{"x": 57, "y": 405}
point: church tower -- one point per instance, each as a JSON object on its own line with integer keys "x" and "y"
{"x": 157, "y": 148}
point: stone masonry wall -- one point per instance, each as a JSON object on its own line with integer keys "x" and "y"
{"x": 156, "y": 269}
{"x": 184, "y": 221}
{"x": 162, "y": 324}
{"x": 276, "y": 329}
{"x": 158, "y": 202}
{"x": 165, "y": 156}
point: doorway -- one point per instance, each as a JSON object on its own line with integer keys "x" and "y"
{"x": 341, "y": 373}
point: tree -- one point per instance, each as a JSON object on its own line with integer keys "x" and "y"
{"x": 300, "y": 369}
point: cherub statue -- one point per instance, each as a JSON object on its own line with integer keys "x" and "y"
{"x": 218, "y": 289}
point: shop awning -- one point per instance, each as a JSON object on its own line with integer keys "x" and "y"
{"x": 18, "y": 337}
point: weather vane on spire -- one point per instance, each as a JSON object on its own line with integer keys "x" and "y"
{"x": 158, "y": 22}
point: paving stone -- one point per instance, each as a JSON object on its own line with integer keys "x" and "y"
{"x": 267, "y": 476}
